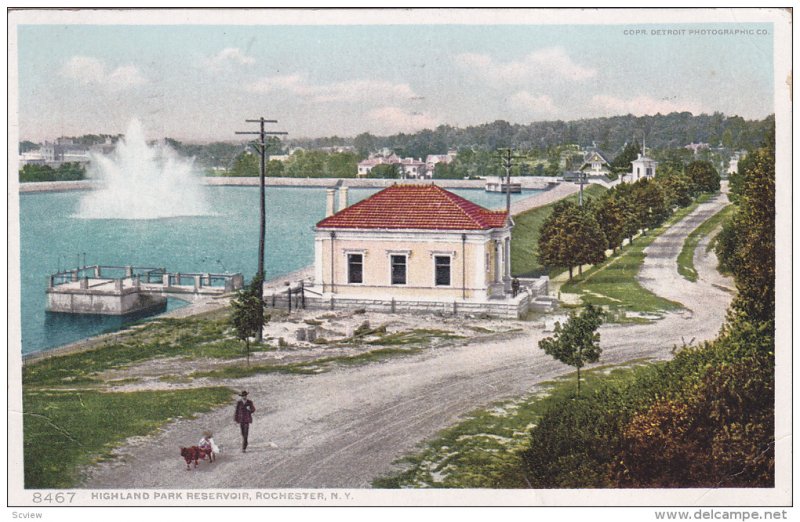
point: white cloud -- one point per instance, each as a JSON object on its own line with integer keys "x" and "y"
{"x": 227, "y": 56}
{"x": 539, "y": 105}
{"x": 92, "y": 71}
{"x": 347, "y": 91}
{"x": 395, "y": 119}
{"x": 641, "y": 105}
{"x": 545, "y": 64}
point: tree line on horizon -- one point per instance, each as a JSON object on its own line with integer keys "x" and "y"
{"x": 546, "y": 148}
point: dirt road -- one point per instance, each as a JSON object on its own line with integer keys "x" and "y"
{"x": 346, "y": 427}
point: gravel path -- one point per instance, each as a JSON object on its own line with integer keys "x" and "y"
{"x": 346, "y": 427}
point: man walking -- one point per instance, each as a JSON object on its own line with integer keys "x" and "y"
{"x": 244, "y": 416}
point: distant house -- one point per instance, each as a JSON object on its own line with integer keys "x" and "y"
{"x": 595, "y": 163}
{"x": 365, "y": 166}
{"x": 696, "y": 147}
{"x": 414, "y": 169}
{"x": 431, "y": 160}
{"x": 410, "y": 168}
{"x": 733, "y": 164}
{"x": 411, "y": 244}
{"x": 64, "y": 150}
{"x": 643, "y": 167}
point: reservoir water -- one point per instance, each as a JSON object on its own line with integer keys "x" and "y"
{"x": 53, "y": 238}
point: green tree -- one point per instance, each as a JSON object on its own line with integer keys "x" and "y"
{"x": 446, "y": 171}
{"x": 651, "y": 203}
{"x": 553, "y": 169}
{"x": 31, "y": 173}
{"x": 342, "y": 165}
{"x": 247, "y": 313}
{"x": 365, "y": 143}
{"x": 385, "y": 170}
{"x": 630, "y": 209}
{"x": 245, "y": 165}
{"x": 577, "y": 342}
{"x": 274, "y": 169}
{"x": 622, "y": 161}
{"x": 571, "y": 236}
{"x": 704, "y": 176}
{"x": 64, "y": 172}
{"x": 746, "y": 245}
{"x": 70, "y": 171}
{"x": 678, "y": 188}
{"x": 27, "y": 146}
{"x": 589, "y": 238}
{"x": 608, "y": 214}
{"x": 307, "y": 164}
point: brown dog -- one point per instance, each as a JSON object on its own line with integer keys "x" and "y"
{"x": 195, "y": 453}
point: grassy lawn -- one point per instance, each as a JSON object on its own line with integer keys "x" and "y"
{"x": 686, "y": 257}
{"x": 483, "y": 451}
{"x": 65, "y": 430}
{"x": 69, "y": 422}
{"x": 613, "y": 282}
{"x": 191, "y": 337}
{"x": 395, "y": 344}
{"x": 525, "y": 237}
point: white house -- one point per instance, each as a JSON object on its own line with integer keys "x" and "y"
{"x": 595, "y": 164}
{"x": 643, "y": 167}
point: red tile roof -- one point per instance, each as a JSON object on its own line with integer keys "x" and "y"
{"x": 424, "y": 207}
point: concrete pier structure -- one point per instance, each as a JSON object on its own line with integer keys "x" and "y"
{"x": 96, "y": 290}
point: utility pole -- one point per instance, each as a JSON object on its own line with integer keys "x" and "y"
{"x": 582, "y": 181}
{"x": 507, "y": 158}
{"x": 261, "y": 147}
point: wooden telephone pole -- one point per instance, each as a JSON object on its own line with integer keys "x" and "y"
{"x": 507, "y": 158}
{"x": 261, "y": 147}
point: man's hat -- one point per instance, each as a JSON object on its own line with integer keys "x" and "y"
{"x": 243, "y": 394}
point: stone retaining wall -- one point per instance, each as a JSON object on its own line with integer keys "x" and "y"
{"x": 503, "y": 308}
{"x": 527, "y": 182}
{"x": 508, "y": 309}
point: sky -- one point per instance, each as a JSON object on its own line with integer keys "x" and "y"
{"x": 200, "y": 82}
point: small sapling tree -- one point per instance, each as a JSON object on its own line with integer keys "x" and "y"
{"x": 246, "y": 314}
{"x": 576, "y": 342}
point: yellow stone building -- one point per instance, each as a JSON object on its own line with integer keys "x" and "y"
{"x": 413, "y": 243}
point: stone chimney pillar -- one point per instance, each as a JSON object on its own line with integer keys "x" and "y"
{"x": 329, "y": 207}
{"x": 343, "y": 200}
